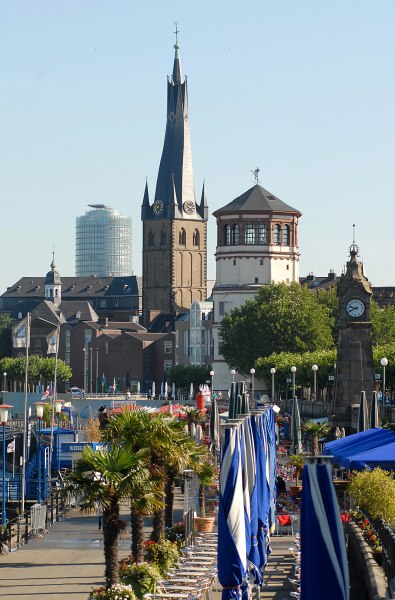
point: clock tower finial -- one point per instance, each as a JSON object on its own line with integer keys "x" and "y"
{"x": 354, "y": 250}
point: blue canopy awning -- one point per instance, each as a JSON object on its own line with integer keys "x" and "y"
{"x": 383, "y": 456}
{"x": 345, "y": 449}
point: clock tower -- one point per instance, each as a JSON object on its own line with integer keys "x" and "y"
{"x": 354, "y": 363}
{"x": 174, "y": 225}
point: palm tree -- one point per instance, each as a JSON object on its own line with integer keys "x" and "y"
{"x": 316, "y": 431}
{"x": 169, "y": 448}
{"x": 108, "y": 476}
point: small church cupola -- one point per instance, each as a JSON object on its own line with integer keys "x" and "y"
{"x": 53, "y": 284}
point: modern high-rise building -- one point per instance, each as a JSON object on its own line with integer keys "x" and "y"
{"x": 103, "y": 243}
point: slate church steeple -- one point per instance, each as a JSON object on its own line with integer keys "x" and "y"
{"x": 174, "y": 225}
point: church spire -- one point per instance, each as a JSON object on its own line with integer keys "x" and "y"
{"x": 175, "y": 169}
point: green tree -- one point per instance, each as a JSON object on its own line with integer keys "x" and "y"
{"x": 281, "y": 318}
{"x": 383, "y": 324}
{"x": 6, "y": 323}
{"x": 108, "y": 477}
{"x": 184, "y": 375}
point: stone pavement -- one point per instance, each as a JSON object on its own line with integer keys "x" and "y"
{"x": 68, "y": 561}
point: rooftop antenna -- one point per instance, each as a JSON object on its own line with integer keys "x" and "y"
{"x": 177, "y": 31}
{"x": 256, "y": 175}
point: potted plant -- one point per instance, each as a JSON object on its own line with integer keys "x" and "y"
{"x": 163, "y": 554}
{"x": 205, "y": 471}
{"x": 296, "y": 461}
{"x": 141, "y": 577}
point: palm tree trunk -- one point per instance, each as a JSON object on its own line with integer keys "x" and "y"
{"x": 169, "y": 499}
{"x": 158, "y": 526}
{"x": 315, "y": 445}
{"x": 110, "y": 535}
{"x": 137, "y": 546}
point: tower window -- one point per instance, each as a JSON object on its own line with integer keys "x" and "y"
{"x": 227, "y": 235}
{"x": 256, "y": 279}
{"x": 277, "y": 234}
{"x": 235, "y": 234}
{"x": 234, "y": 262}
{"x": 196, "y": 238}
{"x": 261, "y": 234}
{"x": 163, "y": 237}
{"x": 286, "y": 235}
{"x": 249, "y": 234}
{"x": 151, "y": 238}
{"x": 261, "y": 261}
{"x": 182, "y": 238}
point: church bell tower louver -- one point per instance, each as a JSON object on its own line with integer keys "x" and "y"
{"x": 174, "y": 225}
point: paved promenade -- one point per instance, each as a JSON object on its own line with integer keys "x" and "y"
{"x": 68, "y": 561}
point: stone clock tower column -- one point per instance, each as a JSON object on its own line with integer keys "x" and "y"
{"x": 354, "y": 363}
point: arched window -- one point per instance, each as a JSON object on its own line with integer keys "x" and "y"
{"x": 182, "y": 237}
{"x": 286, "y": 235}
{"x": 163, "y": 237}
{"x": 196, "y": 238}
{"x": 151, "y": 238}
{"x": 277, "y": 234}
{"x": 227, "y": 235}
{"x": 56, "y": 292}
{"x": 235, "y": 234}
{"x": 51, "y": 293}
{"x": 261, "y": 234}
{"x": 249, "y": 234}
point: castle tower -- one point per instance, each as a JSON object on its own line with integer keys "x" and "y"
{"x": 174, "y": 225}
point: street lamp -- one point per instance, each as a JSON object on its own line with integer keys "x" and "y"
{"x": 85, "y": 357}
{"x": 315, "y": 369}
{"x": 252, "y": 372}
{"x": 384, "y": 363}
{"x": 272, "y": 373}
{"x": 58, "y": 410}
{"x": 40, "y": 413}
{"x": 212, "y": 382}
{"x": 233, "y": 373}
{"x": 293, "y": 371}
{"x": 97, "y": 370}
{"x": 4, "y": 419}
{"x": 5, "y": 382}
{"x": 90, "y": 371}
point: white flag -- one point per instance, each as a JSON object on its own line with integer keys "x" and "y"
{"x": 52, "y": 341}
{"x": 19, "y": 334}
{"x": 11, "y": 447}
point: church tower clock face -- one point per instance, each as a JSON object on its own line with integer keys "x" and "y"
{"x": 355, "y": 307}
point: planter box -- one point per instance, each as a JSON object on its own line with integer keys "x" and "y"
{"x": 204, "y": 524}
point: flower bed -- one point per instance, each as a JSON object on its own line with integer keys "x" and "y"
{"x": 163, "y": 553}
{"x": 141, "y": 577}
{"x": 369, "y": 532}
{"x": 118, "y": 591}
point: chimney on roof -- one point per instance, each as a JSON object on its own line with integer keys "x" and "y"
{"x": 331, "y": 275}
{"x": 310, "y": 276}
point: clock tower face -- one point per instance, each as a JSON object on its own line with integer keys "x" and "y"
{"x": 158, "y": 207}
{"x": 355, "y": 308}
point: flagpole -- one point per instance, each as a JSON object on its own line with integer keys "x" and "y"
{"x": 25, "y": 419}
{"x": 53, "y": 399}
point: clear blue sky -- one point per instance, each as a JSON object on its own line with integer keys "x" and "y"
{"x": 303, "y": 90}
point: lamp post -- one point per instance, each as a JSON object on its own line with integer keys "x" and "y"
{"x": 90, "y": 371}
{"x": 97, "y": 370}
{"x": 212, "y": 382}
{"x": 384, "y": 363}
{"x": 85, "y": 358}
{"x": 5, "y": 382}
{"x": 272, "y": 373}
{"x": 252, "y": 373}
{"x": 293, "y": 371}
{"x": 58, "y": 410}
{"x": 4, "y": 419}
{"x": 315, "y": 369}
{"x": 233, "y": 373}
{"x": 39, "y": 412}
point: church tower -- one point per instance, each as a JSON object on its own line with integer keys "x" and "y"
{"x": 354, "y": 362}
{"x": 174, "y": 225}
{"x": 53, "y": 284}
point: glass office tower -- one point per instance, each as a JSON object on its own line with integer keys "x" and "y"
{"x": 103, "y": 243}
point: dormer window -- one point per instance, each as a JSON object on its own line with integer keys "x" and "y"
{"x": 36, "y": 288}
{"x": 19, "y": 315}
{"x": 18, "y": 288}
{"x": 78, "y": 314}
